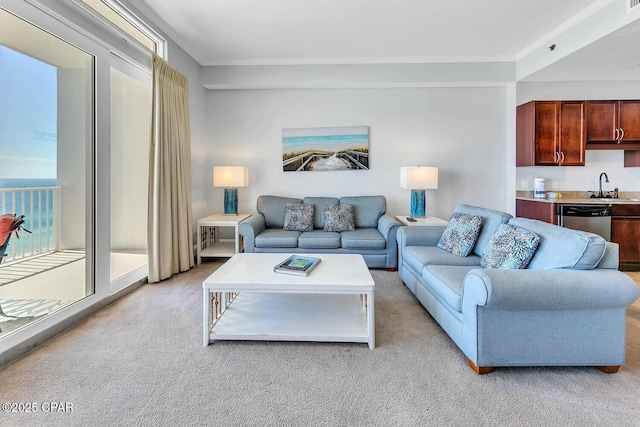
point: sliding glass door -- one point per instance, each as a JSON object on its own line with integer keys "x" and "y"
{"x": 46, "y": 172}
{"x": 130, "y": 140}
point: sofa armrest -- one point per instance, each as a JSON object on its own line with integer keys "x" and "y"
{"x": 555, "y": 289}
{"x": 388, "y": 227}
{"x": 249, "y": 229}
{"x": 420, "y": 236}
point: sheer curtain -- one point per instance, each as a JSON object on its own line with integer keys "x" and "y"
{"x": 170, "y": 237}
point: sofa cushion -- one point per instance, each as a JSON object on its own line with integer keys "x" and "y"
{"x": 366, "y": 209}
{"x": 417, "y": 257}
{"x": 338, "y": 218}
{"x": 298, "y": 217}
{"x": 319, "y": 204}
{"x": 490, "y": 221}
{"x": 446, "y": 282}
{"x": 562, "y": 247}
{"x": 318, "y": 239}
{"x": 273, "y": 209}
{"x": 277, "y": 238}
{"x": 363, "y": 238}
{"x": 510, "y": 247}
{"x": 461, "y": 234}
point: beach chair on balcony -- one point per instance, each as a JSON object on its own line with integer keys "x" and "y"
{"x": 9, "y": 223}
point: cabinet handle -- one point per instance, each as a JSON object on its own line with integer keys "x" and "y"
{"x": 621, "y": 135}
{"x": 561, "y": 157}
{"x": 556, "y": 157}
{"x": 615, "y": 138}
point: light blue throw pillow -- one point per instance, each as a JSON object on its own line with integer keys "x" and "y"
{"x": 461, "y": 234}
{"x": 510, "y": 248}
{"x": 298, "y": 217}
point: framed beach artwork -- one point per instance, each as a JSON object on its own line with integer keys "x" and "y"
{"x": 325, "y": 149}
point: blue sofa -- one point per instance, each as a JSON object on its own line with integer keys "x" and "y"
{"x": 374, "y": 236}
{"x": 566, "y": 308}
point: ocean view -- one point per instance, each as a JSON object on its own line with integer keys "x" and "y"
{"x": 26, "y": 182}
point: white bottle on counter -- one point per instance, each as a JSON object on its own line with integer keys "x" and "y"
{"x": 538, "y": 188}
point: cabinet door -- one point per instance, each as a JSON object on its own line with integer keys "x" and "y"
{"x": 572, "y": 133}
{"x": 525, "y": 138}
{"x": 542, "y": 211}
{"x": 625, "y": 231}
{"x": 602, "y": 121}
{"x": 546, "y": 132}
{"x": 629, "y": 121}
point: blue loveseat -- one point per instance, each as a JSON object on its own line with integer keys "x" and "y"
{"x": 374, "y": 236}
{"x": 566, "y": 308}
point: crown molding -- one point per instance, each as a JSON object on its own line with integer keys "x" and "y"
{"x": 243, "y": 86}
{"x": 565, "y": 26}
{"x": 358, "y": 61}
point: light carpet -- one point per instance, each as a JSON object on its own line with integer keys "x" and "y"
{"x": 141, "y": 362}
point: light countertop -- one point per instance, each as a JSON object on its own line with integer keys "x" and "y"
{"x": 582, "y": 198}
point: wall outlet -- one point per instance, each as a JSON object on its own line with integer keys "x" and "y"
{"x": 554, "y": 185}
{"x": 526, "y": 184}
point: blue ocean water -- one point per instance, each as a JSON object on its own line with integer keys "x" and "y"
{"x": 35, "y": 205}
{"x": 318, "y": 140}
{"x": 26, "y": 182}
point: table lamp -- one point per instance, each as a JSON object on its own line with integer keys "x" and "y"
{"x": 230, "y": 178}
{"x": 418, "y": 179}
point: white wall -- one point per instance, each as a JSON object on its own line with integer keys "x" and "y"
{"x": 72, "y": 159}
{"x": 582, "y": 178}
{"x": 461, "y": 130}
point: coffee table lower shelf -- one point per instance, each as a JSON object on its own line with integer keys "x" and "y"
{"x": 294, "y": 317}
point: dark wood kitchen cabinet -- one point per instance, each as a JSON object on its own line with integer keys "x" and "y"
{"x": 542, "y": 211}
{"x": 551, "y": 133}
{"x": 625, "y": 231}
{"x": 613, "y": 122}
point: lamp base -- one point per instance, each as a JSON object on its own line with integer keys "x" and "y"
{"x": 418, "y": 203}
{"x": 231, "y": 201}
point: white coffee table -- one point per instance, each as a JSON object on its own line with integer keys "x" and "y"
{"x": 245, "y": 299}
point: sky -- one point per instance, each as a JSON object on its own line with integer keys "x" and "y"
{"x": 328, "y": 139}
{"x": 28, "y": 116}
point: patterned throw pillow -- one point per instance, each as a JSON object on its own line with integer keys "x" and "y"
{"x": 510, "y": 247}
{"x": 461, "y": 234}
{"x": 298, "y": 217}
{"x": 339, "y": 218}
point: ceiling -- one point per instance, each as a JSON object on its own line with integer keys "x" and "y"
{"x": 246, "y": 32}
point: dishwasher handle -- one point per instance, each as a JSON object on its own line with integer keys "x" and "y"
{"x": 585, "y": 210}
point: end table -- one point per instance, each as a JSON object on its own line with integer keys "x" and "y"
{"x": 427, "y": 221}
{"x": 219, "y": 247}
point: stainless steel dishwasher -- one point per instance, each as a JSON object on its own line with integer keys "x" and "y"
{"x": 592, "y": 218}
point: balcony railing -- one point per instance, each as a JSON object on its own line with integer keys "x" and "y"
{"x": 41, "y": 209}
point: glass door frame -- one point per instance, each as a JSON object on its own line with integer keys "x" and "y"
{"x": 97, "y": 188}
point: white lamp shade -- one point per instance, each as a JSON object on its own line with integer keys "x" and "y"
{"x": 230, "y": 176}
{"x": 418, "y": 178}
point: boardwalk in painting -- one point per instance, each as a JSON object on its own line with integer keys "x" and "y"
{"x": 324, "y": 161}
{"x": 325, "y": 149}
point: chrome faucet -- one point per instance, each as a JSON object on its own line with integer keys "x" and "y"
{"x": 606, "y": 178}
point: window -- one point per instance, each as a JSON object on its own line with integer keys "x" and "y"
{"x": 117, "y": 15}
{"x": 46, "y": 139}
{"x": 130, "y": 141}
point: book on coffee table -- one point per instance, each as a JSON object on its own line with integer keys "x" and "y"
{"x": 297, "y": 265}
